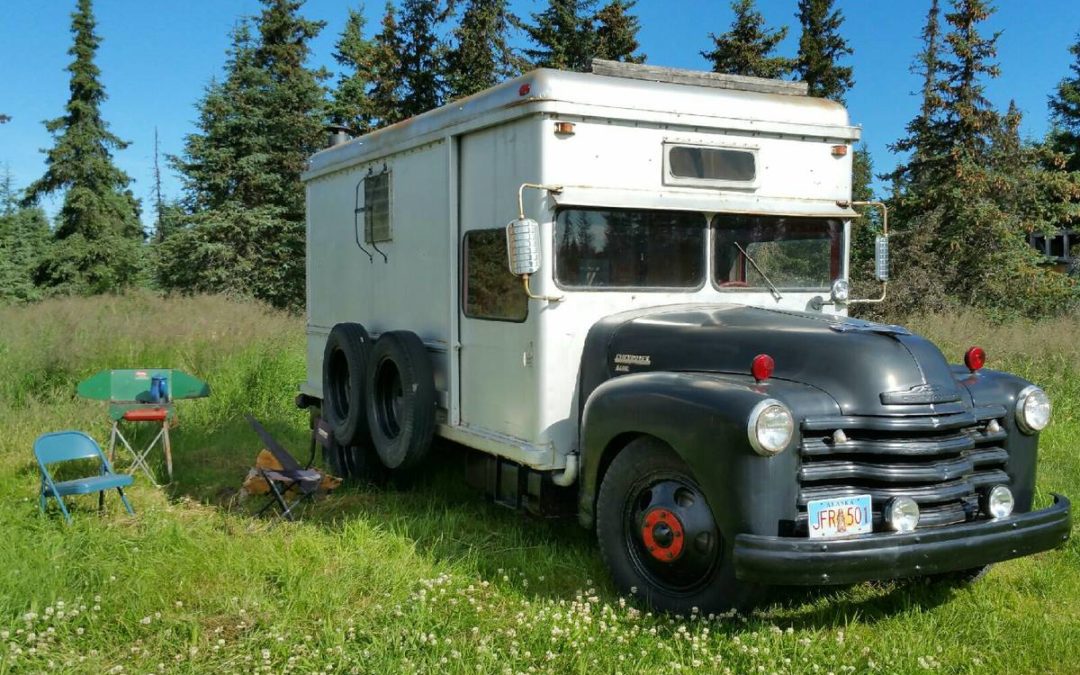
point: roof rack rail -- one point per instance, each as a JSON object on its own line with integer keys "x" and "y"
{"x": 700, "y": 78}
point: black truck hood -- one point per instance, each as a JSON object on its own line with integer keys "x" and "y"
{"x": 867, "y": 368}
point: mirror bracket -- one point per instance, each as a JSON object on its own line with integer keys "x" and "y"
{"x": 529, "y": 232}
{"x": 533, "y": 296}
{"x": 877, "y": 252}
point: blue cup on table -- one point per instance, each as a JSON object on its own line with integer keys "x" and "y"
{"x": 159, "y": 389}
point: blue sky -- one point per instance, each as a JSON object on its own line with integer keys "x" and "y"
{"x": 158, "y": 57}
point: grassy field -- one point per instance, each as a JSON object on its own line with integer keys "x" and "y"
{"x": 378, "y": 579}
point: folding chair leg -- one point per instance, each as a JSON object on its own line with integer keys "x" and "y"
{"x": 124, "y": 499}
{"x": 101, "y": 501}
{"x": 279, "y": 499}
{"x": 168, "y": 447}
{"x": 63, "y": 508}
{"x": 112, "y": 441}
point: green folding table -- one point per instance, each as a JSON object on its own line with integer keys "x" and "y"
{"x": 130, "y": 398}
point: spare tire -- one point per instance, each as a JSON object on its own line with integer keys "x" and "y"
{"x": 400, "y": 398}
{"x": 345, "y": 364}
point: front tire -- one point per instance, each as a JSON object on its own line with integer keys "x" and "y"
{"x": 658, "y": 536}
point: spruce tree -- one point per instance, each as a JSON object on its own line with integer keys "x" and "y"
{"x": 973, "y": 191}
{"x": 423, "y": 57}
{"x": 481, "y": 56}
{"x": 924, "y": 151}
{"x": 24, "y": 239}
{"x": 564, "y": 34}
{"x": 98, "y": 234}
{"x": 747, "y": 48}
{"x": 820, "y": 49}
{"x": 241, "y": 170}
{"x": 616, "y": 32}
{"x": 1065, "y": 113}
{"x": 386, "y": 94}
{"x": 350, "y": 103}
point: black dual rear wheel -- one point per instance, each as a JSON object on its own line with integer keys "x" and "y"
{"x": 658, "y": 536}
{"x": 345, "y": 363}
{"x": 400, "y": 393}
{"x": 379, "y": 400}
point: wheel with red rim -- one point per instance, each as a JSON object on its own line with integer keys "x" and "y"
{"x": 658, "y": 535}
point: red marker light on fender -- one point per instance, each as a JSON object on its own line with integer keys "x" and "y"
{"x": 975, "y": 358}
{"x": 762, "y": 367}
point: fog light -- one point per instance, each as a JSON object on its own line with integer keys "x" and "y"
{"x": 999, "y": 502}
{"x": 901, "y": 514}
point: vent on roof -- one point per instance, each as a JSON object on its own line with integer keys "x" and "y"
{"x": 699, "y": 78}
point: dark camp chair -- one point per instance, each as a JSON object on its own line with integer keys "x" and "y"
{"x": 305, "y": 479}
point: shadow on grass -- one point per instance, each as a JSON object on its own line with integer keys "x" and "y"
{"x": 449, "y": 521}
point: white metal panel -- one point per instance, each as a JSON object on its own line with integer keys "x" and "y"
{"x": 498, "y": 373}
{"x": 407, "y": 291}
{"x": 560, "y": 92}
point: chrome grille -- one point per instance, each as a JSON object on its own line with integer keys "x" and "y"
{"x": 941, "y": 462}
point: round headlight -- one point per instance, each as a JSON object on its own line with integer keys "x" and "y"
{"x": 999, "y": 501}
{"x": 901, "y": 514}
{"x": 770, "y": 427}
{"x": 840, "y": 290}
{"x": 1032, "y": 410}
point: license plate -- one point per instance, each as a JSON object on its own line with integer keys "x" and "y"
{"x": 840, "y": 517}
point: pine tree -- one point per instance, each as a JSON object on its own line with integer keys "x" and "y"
{"x": 973, "y": 191}
{"x": 820, "y": 49}
{"x": 564, "y": 34}
{"x": 747, "y": 48}
{"x": 969, "y": 118}
{"x": 350, "y": 104}
{"x": 24, "y": 238}
{"x": 481, "y": 56}
{"x": 386, "y": 94}
{"x": 1065, "y": 113}
{"x": 241, "y": 170}
{"x": 616, "y": 32}
{"x": 423, "y": 57}
{"x": 924, "y": 150}
{"x": 98, "y": 232}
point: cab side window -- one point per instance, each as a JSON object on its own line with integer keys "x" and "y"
{"x": 491, "y": 291}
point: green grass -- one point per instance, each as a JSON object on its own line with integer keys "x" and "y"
{"x": 432, "y": 577}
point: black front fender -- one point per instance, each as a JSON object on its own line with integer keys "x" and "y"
{"x": 703, "y": 418}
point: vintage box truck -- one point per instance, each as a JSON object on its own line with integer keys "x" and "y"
{"x": 658, "y": 339}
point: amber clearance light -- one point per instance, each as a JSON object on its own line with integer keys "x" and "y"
{"x": 975, "y": 358}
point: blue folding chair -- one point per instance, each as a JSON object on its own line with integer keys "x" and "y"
{"x": 65, "y": 446}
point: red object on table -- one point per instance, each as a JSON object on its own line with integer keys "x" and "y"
{"x": 146, "y": 415}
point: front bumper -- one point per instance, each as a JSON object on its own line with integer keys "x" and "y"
{"x": 803, "y": 561}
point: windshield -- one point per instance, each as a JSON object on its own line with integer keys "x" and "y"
{"x": 794, "y": 253}
{"x": 609, "y": 248}
{"x": 629, "y": 248}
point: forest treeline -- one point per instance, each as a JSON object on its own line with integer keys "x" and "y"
{"x": 963, "y": 202}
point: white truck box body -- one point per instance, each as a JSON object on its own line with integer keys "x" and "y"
{"x": 510, "y": 388}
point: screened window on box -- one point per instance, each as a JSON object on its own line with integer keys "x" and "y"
{"x": 491, "y": 291}
{"x": 377, "y": 208}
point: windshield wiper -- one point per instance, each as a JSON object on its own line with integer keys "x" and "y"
{"x": 772, "y": 287}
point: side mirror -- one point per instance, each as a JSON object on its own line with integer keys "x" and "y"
{"x": 881, "y": 258}
{"x": 523, "y": 246}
